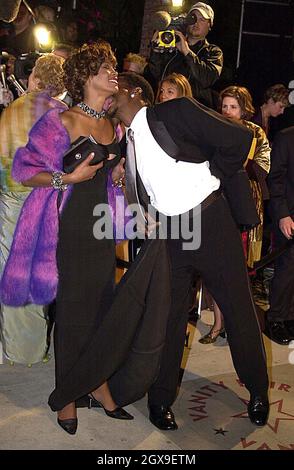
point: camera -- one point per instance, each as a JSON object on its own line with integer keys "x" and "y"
{"x": 24, "y": 64}
{"x": 168, "y": 38}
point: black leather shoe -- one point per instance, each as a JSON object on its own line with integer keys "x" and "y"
{"x": 289, "y": 324}
{"x": 69, "y": 425}
{"x": 258, "y": 410}
{"x": 277, "y": 332}
{"x": 162, "y": 417}
{"x": 117, "y": 413}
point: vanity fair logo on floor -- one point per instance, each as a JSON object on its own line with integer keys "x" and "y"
{"x": 213, "y": 403}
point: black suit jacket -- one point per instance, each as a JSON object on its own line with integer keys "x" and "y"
{"x": 281, "y": 176}
{"x": 191, "y": 132}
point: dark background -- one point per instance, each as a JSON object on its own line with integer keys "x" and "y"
{"x": 117, "y": 21}
{"x": 264, "y": 60}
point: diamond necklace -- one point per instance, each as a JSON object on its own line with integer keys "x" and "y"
{"x": 92, "y": 112}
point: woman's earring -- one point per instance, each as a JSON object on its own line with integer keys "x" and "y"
{"x": 132, "y": 95}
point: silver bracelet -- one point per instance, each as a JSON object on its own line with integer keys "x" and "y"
{"x": 118, "y": 183}
{"x": 57, "y": 181}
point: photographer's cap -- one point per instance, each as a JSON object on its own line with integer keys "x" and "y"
{"x": 205, "y": 10}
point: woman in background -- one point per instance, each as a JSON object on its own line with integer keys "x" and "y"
{"x": 173, "y": 86}
{"x": 236, "y": 103}
{"x": 23, "y": 329}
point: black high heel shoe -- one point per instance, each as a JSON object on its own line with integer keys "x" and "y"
{"x": 84, "y": 402}
{"x": 117, "y": 413}
{"x": 69, "y": 425}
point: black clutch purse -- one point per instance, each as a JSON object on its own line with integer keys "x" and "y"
{"x": 79, "y": 151}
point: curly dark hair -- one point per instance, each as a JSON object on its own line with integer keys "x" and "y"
{"x": 83, "y": 63}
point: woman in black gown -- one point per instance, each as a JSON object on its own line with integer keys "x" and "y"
{"x": 85, "y": 265}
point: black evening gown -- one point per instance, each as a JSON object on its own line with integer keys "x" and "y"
{"x": 101, "y": 332}
{"x": 86, "y": 268}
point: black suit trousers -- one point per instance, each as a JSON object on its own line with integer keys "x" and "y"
{"x": 220, "y": 262}
{"x": 282, "y": 285}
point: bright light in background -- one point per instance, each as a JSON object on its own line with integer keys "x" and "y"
{"x": 43, "y": 35}
{"x": 177, "y": 3}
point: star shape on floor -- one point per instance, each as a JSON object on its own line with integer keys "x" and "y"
{"x": 220, "y": 431}
{"x": 275, "y": 408}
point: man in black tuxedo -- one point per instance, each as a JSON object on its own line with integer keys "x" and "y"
{"x": 279, "y": 325}
{"x": 182, "y": 151}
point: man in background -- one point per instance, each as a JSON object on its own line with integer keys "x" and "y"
{"x": 134, "y": 63}
{"x": 193, "y": 56}
{"x": 279, "y": 324}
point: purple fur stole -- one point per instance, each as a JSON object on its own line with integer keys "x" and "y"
{"x": 30, "y": 274}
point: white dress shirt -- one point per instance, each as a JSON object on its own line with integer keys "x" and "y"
{"x": 174, "y": 187}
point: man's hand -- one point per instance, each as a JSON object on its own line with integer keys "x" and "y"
{"x": 149, "y": 226}
{"x": 286, "y": 225}
{"x": 118, "y": 173}
{"x": 182, "y": 45}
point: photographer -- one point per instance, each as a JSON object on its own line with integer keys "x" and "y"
{"x": 200, "y": 62}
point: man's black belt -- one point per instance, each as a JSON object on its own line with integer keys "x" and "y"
{"x": 211, "y": 199}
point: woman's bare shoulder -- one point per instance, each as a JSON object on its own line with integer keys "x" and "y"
{"x": 68, "y": 117}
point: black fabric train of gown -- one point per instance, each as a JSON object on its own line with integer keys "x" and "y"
{"x": 101, "y": 334}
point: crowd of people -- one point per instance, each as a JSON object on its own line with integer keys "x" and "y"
{"x": 192, "y": 157}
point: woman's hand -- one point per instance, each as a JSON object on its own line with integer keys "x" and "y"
{"x": 118, "y": 172}
{"x": 83, "y": 172}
